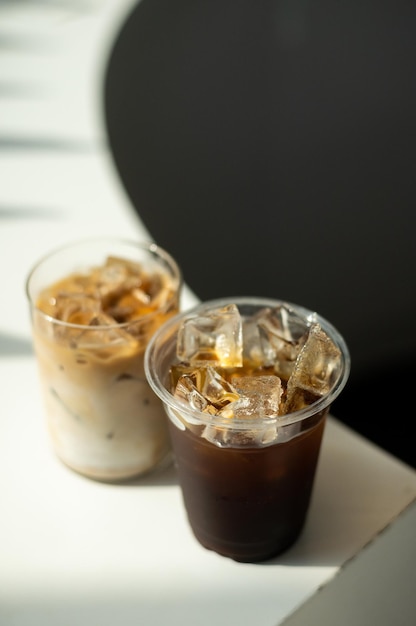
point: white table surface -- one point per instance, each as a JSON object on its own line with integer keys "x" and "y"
{"x": 77, "y": 552}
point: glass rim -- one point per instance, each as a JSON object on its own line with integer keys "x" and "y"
{"x": 142, "y": 244}
{"x": 169, "y": 331}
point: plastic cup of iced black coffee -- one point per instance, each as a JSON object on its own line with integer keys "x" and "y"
{"x": 247, "y": 384}
{"x": 94, "y": 304}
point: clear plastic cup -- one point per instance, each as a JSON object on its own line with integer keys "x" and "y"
{"x": 246, "y": 492}
{"x": 103, "y": 419}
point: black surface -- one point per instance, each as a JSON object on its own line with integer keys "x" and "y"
{"x": 270, "y": 146}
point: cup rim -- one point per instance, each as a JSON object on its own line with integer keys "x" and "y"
{"x": 172, "y": 403}
{"x": 143, "y": 244}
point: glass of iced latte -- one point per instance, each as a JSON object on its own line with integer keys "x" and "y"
{"x": 247, "y": 384}
{"x": 94, "y": 305}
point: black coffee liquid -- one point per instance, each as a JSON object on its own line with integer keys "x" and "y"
{"x": 249, "y": 504}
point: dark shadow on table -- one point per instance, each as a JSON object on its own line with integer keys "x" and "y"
{"x": 14, "y": 346}
{"x": 270, "y": 146}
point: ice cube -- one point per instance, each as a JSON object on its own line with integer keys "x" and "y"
{"x": 209, "y": 385}
{"x": 129, "y": 306}
{"x": 256, "y": 349}
{"x": 114, "y": 279}
{"x": 216, "y": 388}
{"x": 127, "y": 291}
{"x": 259, "y": 435}
{"x": 281, "y": 334}
{"x": 100, "y": 339}
{"x": 75, "y": 308}
{"x": 187, "y": 390}
{"x": 259, "y": 396}
{"x": 314, "y": 371}
{"x": 214, "y": 338}
{"x": 223, "y": 436}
